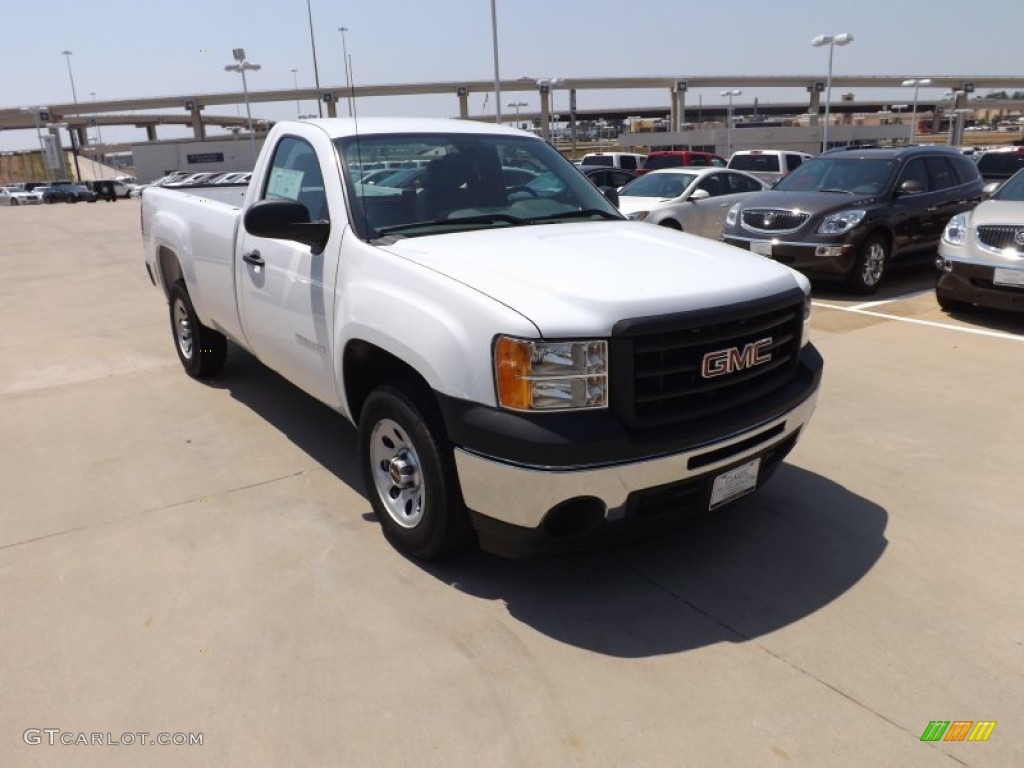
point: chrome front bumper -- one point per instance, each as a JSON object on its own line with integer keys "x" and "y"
{"x": 523, "y": 495}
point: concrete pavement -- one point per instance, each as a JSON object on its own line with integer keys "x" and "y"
{"x": 183, "y": 558}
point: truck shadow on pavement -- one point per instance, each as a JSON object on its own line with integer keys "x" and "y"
{"x": 769, "y": 561}
{"x": 773, "y": 559}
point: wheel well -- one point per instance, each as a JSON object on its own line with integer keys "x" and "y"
{"x": 885, "y": 234}
{"x": 170, "y": 269}
{"x": 671, "y": 224}
{"x": 366, "y": 367}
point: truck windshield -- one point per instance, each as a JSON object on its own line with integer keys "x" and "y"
{"x": 459, "y": 182}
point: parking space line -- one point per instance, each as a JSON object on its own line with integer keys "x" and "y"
{"x": 915, "y": 321}
{"x": 880, "y": 302}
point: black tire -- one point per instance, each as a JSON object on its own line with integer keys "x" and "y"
{"x": 201, "y": 350}
{"x": 950, "y": 305}
{"x": 409, "y": 472}
{"x": 14, "y": 203}
{"x": 671, "y": 224}
{"x": 870, "y": 266}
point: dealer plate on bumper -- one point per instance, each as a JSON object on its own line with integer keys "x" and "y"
{"x": 761, "y": 247}
{"x": 1014, "y": 277}
{"x": 734, "y": 483}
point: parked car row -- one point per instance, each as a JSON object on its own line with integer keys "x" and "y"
{"x": 849, "y": 214}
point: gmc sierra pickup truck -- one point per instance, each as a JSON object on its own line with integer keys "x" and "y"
{"x": 526, "y": 369}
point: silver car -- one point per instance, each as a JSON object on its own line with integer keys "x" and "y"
{"x": 981, "y": 254}
{"x": 16, "y": 195}
{"x": 692, "y": 199}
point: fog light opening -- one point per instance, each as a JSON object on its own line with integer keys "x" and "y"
{"x": 574, "y": 517}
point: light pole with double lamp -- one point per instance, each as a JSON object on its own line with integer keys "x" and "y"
{"x": 728, "y": 119}
{"x": 843, "y": 38}
{"x": 516, "y": 105}
{"x": 348, "y": 70}
{"x": 916, "y": 83}
{"x": 242, "y": 66}
{"x": 71, "y": 77}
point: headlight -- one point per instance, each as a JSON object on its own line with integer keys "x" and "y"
{"x": 732, "y": 215}
{"x": 956, "y": 231}
{"x": 551, "y": 375}
{"x": 638, "y": 215}
{"x": 841, "y": 222}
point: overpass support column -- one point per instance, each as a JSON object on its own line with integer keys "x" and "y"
{"x": 545, "y": 112}
{"x": 150, "y": 133}
{"x": 332, "y": 105}
{"x": 198, "y": 129}
{"x": 463, "y": 93}
{"x": 678, "y": 98}
{"x": 814, "y": 106}
{"x": 82, "y": 135}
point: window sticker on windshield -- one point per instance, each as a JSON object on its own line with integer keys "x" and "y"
{"x": 285, "y": 182}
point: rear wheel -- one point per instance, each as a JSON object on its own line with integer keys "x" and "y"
{"x": 870, "y": 265}
{"x": 409, "y": 472}
{"x": 201, "y": 350}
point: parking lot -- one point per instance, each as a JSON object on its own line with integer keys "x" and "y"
{"x": 185, "y": 558}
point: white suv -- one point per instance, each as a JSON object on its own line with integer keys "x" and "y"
{"x": 769, "y": 165}
{"x": 627, "y": 160}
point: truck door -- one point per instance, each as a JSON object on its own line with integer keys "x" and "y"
{"x": 286, "y": 293}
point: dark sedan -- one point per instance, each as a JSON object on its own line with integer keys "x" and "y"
{"x": 68, "y": 193}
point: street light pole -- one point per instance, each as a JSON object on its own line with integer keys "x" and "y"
{"x": 242, "y": 66}
{"x": 295, "y": 79}
{"x": 497, "y": 79}
{"x": 316, "y": 71}
{"x": 516, "y": 105}
{"x": 917, "y": 83}
{"x": 71, "y": 77}
{"x": 844, "y": 38}
{"x": 348, "y": 71}
{"x": 728, "y": 128}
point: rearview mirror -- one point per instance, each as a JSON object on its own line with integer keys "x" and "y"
{"x": 286, "y": 220}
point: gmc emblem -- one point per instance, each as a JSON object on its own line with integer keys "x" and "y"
{"x": 723, "y": 361}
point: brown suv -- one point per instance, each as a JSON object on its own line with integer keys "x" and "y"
{"x": 847, "y": 213}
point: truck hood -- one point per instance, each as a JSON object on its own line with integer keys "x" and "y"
{"x": 579, "y": 279}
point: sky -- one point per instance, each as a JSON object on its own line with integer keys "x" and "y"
{"x": 140, "y": 48}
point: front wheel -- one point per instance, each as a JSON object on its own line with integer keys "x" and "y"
{"x": 201, "y": 350}
{"x": 671, "y": 224}
{"x": 410, "y": 475}
{"x": 13, "y": 202}
{"x": 870, "y": 265}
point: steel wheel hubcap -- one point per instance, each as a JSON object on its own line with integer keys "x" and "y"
{"x": 183, "y": 329}
{"x": 396, "y": 473}
{"x": 874, "y": 264}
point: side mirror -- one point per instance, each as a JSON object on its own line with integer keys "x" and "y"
{"x": 990, "y": 189}
{"x": 911, "y": 187}
{"x": 699, "y": 194}
{"x": 612, "y": 194}
{"x": 286, "y": 220}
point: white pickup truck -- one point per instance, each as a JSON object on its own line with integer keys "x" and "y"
{"x": 526, "y": 368}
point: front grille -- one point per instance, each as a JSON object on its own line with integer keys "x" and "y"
{"x": 773, "y": 219}
{"x": 1001, "y": 236}
{"x": 658, "y": 363}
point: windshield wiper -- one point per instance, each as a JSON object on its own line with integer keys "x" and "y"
{"x": 581, "y": 214}
{"x": 844, "y": 191}
{"x": 487, "y": 218}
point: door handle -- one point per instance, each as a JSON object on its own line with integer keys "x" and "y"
{"x": 253, "y": 257}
